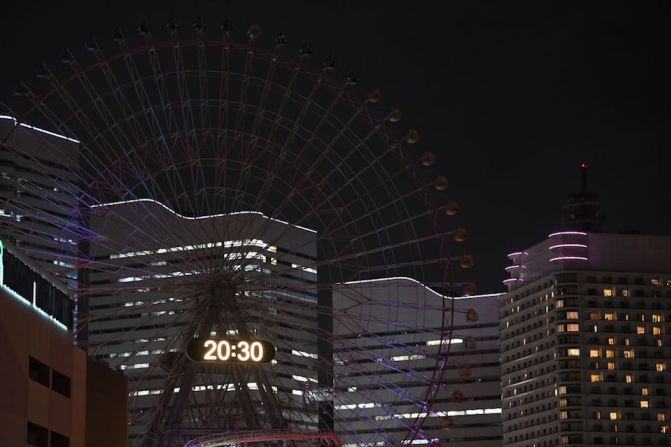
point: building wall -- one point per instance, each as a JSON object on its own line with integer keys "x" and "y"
{"x": 136, "y": 316}
{"x": 48, "y": 385}
{"x": 38, "y": 195}
{"x": 386, "y": 394}
{"x": 26, "y": 334}
{"x": 106, "y": 406}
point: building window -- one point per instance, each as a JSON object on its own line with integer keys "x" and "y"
{"x": 611, "y": 366}
{"x": 573, "y": 352}
{"x": 644, "y": 404}
{"x": 613, "y": 415}
{"x": 629, "y": 378}
{"x": 594, "y": 316}
{"x": 645, "y": 391}
{"x": 58, "y": 440}
{"x": 596, "y": 378}
{"x": 572, "y": 315}
{"x": 610, "y": 353}
{"x": 610, "y": 316}
{"x": 661, "y": 417}
{"x": 640, "y": 330}
{"x": 611, "y": 340}
{"x": 656, "y": 330}
{"x": 38, "y": 371}
{"x": 608, "y": 292}
{"x": 656, "y": 318}
{"x": 628, "y": 353}
{"x": 559, "y": 303}
{"x": 60, "y": 383}
{"x": 625, "y": 293}
{"x": 595, "y": 353}
{"x": 37, "y": 436}
{"x": 660, "y": 366}
{"x": 572, "y": 327}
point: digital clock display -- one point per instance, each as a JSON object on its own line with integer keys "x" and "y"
{"x": 224, "y": 350}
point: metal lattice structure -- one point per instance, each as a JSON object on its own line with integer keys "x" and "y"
{"x": 225, "y": 188}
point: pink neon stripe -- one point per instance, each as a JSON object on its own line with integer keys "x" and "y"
{"x": 513, "y": 267}
{"x": 568, "y": 245}
{"x": 569, "y": 258}
{"x": 561, "y": 233}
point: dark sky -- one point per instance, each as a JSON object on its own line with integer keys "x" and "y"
{"x": 511, "y": 95}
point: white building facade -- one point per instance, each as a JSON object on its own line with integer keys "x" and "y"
{"x": 390, "y": 369}
{"x": 584, "y": 341}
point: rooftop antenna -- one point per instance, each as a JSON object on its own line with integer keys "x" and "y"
{"x": 583, "y": 209}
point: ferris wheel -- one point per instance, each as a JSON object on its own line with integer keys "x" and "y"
{"x": 263, "y": 250}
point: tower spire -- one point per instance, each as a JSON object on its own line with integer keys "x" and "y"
{"x": 583, "y": 209}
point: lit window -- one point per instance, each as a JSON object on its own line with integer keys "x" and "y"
{"x": 644, "y": 404}
{"x": 572, "y": 327}
{"x": 611, "y": 340}
{"x": 595, "y": 328}
{"x": 610, "y": 316}
{"x": 610, "y": 353}
{"x": 656, "y": 330}
{"x": 594, "y": 316}
{"x": 629, "y": 378}
{"x": 595, "y": 353}
{"x": 572, "y": 315}
{"x": 625, "y": 292}
{"x": 561, "y": 328}
{"x": 659, "y": 342}
{"x": 645, "y": 391}
{"x": 640, "y": 330}
{"x": 655, "y": 282}
{"x": 661, "y": 417}
{"x": 562, "y": 389}
{"x": 559, "y": 303}
{"x": 562, "y": 402}
{"x": 597, "y": 415}
{"x": 613, "y": 415}
{"x": 628, "y": 353}
{"x": 574, "y": 352}
{"x": 563, "y": 414}
{"x": 607, "y": 292}
{"x": 656, "y": 318}
{"x": 660, "y": 366}
{"x": 627, "y": 342}
{"x": 595, "y": 378}
{"x": 611, "y": 366}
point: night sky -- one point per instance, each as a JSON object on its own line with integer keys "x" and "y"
{"x": 512, "y": 96}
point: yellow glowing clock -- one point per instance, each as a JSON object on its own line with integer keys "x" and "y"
{"x": 225, "y": 350}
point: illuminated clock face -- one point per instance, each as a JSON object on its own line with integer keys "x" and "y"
{"x": 223, "y": 350}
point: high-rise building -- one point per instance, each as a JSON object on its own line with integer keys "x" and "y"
{"x": 585, "y": 345}
{"x": 38, "y": 210}
{"x": 467, "y": 411}
{"x": 141, "y": 308}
